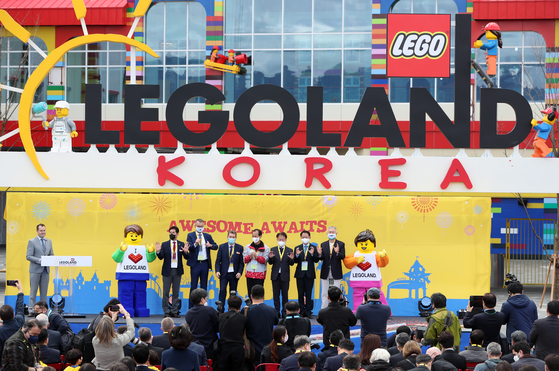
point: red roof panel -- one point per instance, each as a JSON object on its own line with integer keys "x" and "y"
{"x": 515, "y": 9}
{"x": 61, "y": 12}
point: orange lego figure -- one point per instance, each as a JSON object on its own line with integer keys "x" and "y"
{"x": 231, "y": 57}
{"x": 493, "y": 35}
{"x": 543, "y": 130}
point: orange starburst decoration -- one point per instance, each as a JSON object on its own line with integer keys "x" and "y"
{"x": 160, "y": 205}
{"x": 424, "y": 204}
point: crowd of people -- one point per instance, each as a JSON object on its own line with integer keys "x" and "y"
{"x": 241, "y": 338}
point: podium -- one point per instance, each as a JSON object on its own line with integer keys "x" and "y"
{"x": 70, "y": 262}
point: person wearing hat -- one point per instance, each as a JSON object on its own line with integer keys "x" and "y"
{"x": 63, "y": 128}
{"x": 542, "y": 132}
{"x": 493, "y": 36}
{"x": 373, "y": 315}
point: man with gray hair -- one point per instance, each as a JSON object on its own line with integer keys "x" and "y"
{"x": 494, "y": 354}
{"x": 352, "y": 362}
{"x": 515, "y": 337}
{"x": 145, "y": 336}
{"x": 331, "y": 252}
{"x": 55, "y": 341}
{"x": 162, "y": 340}
{"x": 401, "y": 339}
{"x": 302, "y": 344}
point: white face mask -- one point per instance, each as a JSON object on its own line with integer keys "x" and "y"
{"x": 206, "y": 303}
{"x": 516, "y": 358}
{"x": 331, "y": 236}
{"x": 255, "y": 239}
{"x": 199, "y": 229}
{"x": 281, "y": 243}
{"x": 285, "y": 339}
{"x": 305, "y": 241}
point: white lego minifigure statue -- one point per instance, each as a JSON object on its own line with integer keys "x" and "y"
{"x": 63, "y": 128}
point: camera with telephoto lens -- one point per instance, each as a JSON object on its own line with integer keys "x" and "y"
{"x": 315, "y": 346}
{"x": 248, "y": 301}
{"x": 219, "y": 306}
{"x": 510, "y": 278}
{"x": 343, "y": 301}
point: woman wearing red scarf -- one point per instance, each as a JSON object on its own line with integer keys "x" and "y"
{"x": 256, "y": 256}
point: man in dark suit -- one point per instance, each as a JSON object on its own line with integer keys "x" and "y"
{"x": 281, "y": 257}
{"x": 332, "y": 349}
{"x": 229, "y": 265}
{"x": 38, "y": 275}
{"x": 424, "y": 362}
{"x": 489, "y": 321}
{"x": 335, "y": 316}
{"x": 401, "y": 340}
{"x": 332, "y": 252}
{"x": 48, "y": 355}
{"x": 307, "y": 361}
{"x": 203, "y": 321}
{"x": 199, "y": 260}
{"x": 446, "y": 340}
{"x": 145, "y": 336}
{"x": 305, "y": 257}
{"x": 162, "y": 341}
{"x": 545, "y": 332}
{"x": 294, "y": 323}
{"x": 55, "y": 339}
{"x": 302, "y": 345}
{"x": 232, "y": 326}
{"x": 141, "y": 357}
{"x": 171, "y": 252}
{"x": 515, "y": 337}
{"x": 345, "y": 347}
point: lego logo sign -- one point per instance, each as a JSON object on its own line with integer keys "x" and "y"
{"x": 418, "y": 45}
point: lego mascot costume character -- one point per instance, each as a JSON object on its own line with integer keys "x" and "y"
{"x": 132, "y": 271}
{"x": 365, "y": 266}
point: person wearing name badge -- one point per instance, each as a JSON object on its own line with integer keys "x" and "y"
{"x": 305, "y": 256}
{"x": 132, "y": 271}
{"x": 38, "y": 275}
{"x": 199, "y": 260}
{"x": 256, "y": 256}
{"x": 229, "y": 265}
{"x": 281, "y": 258}
{"x": 171, "y": 252}
{"x": 331, "y": 252}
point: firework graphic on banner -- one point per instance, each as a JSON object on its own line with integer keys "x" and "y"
{"x": 424, "y": 204}
{"x": 40, "y": 211}
{"x": 194, "y": 196}
{"x": 107, "y": 201}
{"x": 60, "y": 224}
{"x": 374, "y": 201}
{"x": 132, "y": 213}
{"x": 76, "y": 207}
{"x": 478, "y": 209}
{"x": 12, "y": 227}
{"x": 444, "y": 220}
{"x": 160, "y": 205}
{"x": 329, "y": 202}
{"x": 356, "y": 210}
{"x": 469, "y": 230}
{"x": 402, "y": 217}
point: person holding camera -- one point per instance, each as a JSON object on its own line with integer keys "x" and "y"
{"x": 335, "y": 316}
{"x": 373, "y": 315}
{"x": 489, "y": 321}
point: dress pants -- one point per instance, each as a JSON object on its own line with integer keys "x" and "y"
{"x": 231, "y": 357}
{"x": 324, "y": 286}
{"x": 304, "y": 289}
{"x": 230, "y": 279}
{"x": 174, "y": 279}
{"x": 198, "y": 272}
{"x": 38, "y": 281}
{"x": 279, "y": 286}
{"x": 251, "y": 282}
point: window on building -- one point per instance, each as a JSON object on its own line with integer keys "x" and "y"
{"x": 520, "y": 65}
{"x": 300, "y": 43}
{"x": 442, "y": 89}
{"x": 17, "y": 62}
{"x": 100, "y": 63}
{"x": 176, "y": 31}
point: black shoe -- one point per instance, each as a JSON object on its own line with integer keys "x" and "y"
{"x": 31, "y": 315}
{"x": 175, "y": 315}
{"x": 167, "y": 315}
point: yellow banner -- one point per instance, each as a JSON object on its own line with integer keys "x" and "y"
{"x": 434, "y": 244}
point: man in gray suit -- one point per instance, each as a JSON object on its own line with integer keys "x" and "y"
{"x": 39, "y": 276}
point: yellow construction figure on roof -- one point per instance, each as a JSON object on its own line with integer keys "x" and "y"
{"x": 230, "y": 63}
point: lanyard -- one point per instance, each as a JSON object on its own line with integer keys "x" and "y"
{"x": 280, "y": 253}
{"x": 232, "y": 251}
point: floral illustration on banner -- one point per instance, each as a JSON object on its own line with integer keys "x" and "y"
{"x": 76, "y": 207}
{"x": 356, "y": 209}
{"x": 12, "y": 227}
{"x": 160, "y": 205}
{"x": 132, "y": 213}
{"x": 444, "y": 220}
{"x": 60, "y": 223}
{"x": 478, "y": 209}
{"x": 374, "y": 201}
{"x": 329, "y": 202}
{"x": 424, "y": 204}
{"x": 107, "y": 201}
{"x": 402, "y": 217}
{"x": 259, "y": 206}
{"x": 40, "y": 211}
{"x": 469, "y": 230}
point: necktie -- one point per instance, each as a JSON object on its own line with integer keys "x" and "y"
{"x": 305, "y": 248}
{"x": 174, "y": 250}
{"x": 281, "y": 250}
{"x": 230, "y": 252}
{"x": 44, "y": 246}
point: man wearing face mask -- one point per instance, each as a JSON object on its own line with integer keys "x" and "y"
{"x": 171, "y": 252}
{"x": 331, "y": 252}
{"x": 256, "y": 256}
{"x": 21, "y": 350}
{"x": 199, "y": 260}
{"x": 281, "y": 258}
{"x": 229, "y": 265}
{"x": 305, "y": 256}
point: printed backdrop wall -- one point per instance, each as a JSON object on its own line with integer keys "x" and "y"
{"x": 434, "y": 244}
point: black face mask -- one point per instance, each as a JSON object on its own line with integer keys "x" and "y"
{"x": 172, "y": 236}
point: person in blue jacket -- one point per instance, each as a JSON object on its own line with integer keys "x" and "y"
{"x": 520, "y": 312}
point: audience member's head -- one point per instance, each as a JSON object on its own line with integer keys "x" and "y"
{"x": 553, "y": 308}
{"x": 167, "y": 324}
{"x": 446, "y": 339}
{"x": 403, "y": 328}
{"x": 180, "y": 337}
{"x": 552, "y": 362}
{"x": 154, "y": 358}
{"x": 527, "y": 368}
{"x": 380, "y": 354}
{"x": 121, "y": 329}
{"x": 401, "y": 340}
{"x": 140, "y": 354}
{"x": 144, "y": 334}
{"x": 336, "y": 336}
{"x": 43, "y": 337}
{"x": 438, "y": 300}
{"x": 521, "y": 348}
{"x": 278, "y": 337}
{"x": 352, "y": 362}
{"x": 74, "y": 357}
{"x": 197, "y": 295}
{"x": 128, "y": 362}
{"x": 43, "y": 319}
{"x": 292, "y": 307}
{"x": 504, "y": 366}
{"x": 424, "y": 359}
{"x": 370, "y": 343}
{"x": 433, "y": 352}
{"x": 113, "y": 301}
{"x": 88, "y": 367}
{"x": 476, "y": 337}
{"x": 334, "y": 294}
{"x": 307, "y": 360}
{"x": 373, "y": 293}
{"x": 517, "y": 336}
{"x": 6, "y": 313}
{"x": 235, "y": 302}
{"x": 515, "y": 288}
{"x": 489, "y": 300}
{"x": 494, "y": 350}
{"x": 118, "y": 366}
{"x": 257, "y": 292}
{"x": 411, "y": 348}
{"x": 418, "y": 335}
{"x": 346, "y": 346}
{"x": 302, "y": 342}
